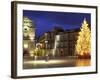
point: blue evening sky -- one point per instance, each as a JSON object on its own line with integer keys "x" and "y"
{"x": 45, "y": 21}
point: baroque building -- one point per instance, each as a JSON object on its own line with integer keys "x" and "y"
{"x": 28, "y": 36}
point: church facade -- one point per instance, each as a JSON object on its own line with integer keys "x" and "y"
{"x": 28, "y": 36}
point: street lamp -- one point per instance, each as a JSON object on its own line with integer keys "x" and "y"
{"x": 46, "y": 46}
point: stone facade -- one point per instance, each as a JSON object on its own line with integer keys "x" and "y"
{"x": 60, "y": 42}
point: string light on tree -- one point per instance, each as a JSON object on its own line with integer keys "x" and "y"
{"x": 83, "y": 45}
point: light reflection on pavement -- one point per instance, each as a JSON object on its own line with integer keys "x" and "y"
{"x": 29, "y": 64}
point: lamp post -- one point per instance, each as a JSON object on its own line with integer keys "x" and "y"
{"x": 46, "y": 46}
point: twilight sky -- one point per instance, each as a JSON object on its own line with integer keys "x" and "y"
{"x": 45, "y": 21}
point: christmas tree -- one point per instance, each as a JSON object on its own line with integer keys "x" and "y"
{"x": 83, "y": 45}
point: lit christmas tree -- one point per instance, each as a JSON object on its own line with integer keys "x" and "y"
{"x": 83, "y": 45}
